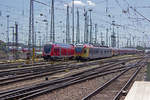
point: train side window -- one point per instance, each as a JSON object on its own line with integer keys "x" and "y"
{"x": 97, "y": 51}
{"x": 93, "y": 51}
{"x": 90, "y": 50}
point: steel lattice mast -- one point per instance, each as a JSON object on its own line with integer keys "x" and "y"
{"x": 67, "y": 26}
{"x": 78, "y": 28}
{"x": 52, "y": 27}
{"x": 31, "y": 30}
{"x": 73, "y": 21}
{"x": 90, "y": 26}
{"x": 86, "y": 30}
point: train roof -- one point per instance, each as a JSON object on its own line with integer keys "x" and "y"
{"x": 91, "y": 46}
{"x": 61, "y": 45}
{"x": 84, "y": 45}
{"x": 104, "y": 48}
{"x": 127, "y": 49}
{"x": 124, "y": 48}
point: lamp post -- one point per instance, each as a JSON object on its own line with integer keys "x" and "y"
{"x": 7, "y": 29}
{"x": 73, "y": 21}
{"x": 13, "y": 40}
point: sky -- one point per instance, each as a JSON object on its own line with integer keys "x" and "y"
{"x": 129, "y": 22}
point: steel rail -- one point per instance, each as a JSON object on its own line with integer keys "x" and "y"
{"x": 74, "y": 75}
{"x": 29, "y": 69}
{"x": 70, "y": 80}
{"x": 119, "y": 94}
{"x": 28, "y": 76}
{"x": 39, "y": 91}
{"x": 95, "y": 92}
{"x": 42, "y": 72}
{"x": 34, "y": 68}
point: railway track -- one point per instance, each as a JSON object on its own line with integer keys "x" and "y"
{"x": 35, "y": 68}
{"x": 103, "y": 91}
{"x": 47, "y": 86}
{"x": 31, "y": 68}
{"x": 47, "y": 71}
{"x": 6, "y": 66}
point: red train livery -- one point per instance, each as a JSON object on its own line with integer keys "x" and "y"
{"x": 56, "y": 51}
{"x": 82, "y": 51}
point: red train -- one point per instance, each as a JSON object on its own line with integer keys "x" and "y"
{"x": 82, "y": 51}
{"x": 123, "y": 51}
{"x": 57, "y": 51}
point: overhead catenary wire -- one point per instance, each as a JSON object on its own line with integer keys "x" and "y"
{"x": 63, "y": 9}
{"x": 140, "y": 14}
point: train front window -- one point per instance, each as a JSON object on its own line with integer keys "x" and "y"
{"x": 78, "y": 49}
{"x": 84, "y": 51}
{"x": 47, "y": 48}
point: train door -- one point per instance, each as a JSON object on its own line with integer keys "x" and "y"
{"x": 86, "y": 53}
{"x": 90, "y": 53}
{"x": 60, "y": 52}
{"x": 57, "y": 51}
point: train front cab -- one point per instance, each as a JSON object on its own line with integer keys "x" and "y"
{"x": 58, "y": 51}
{"x": 81, "y": 53}
{"x": 47, "y": 51}
{"x": 85, "y": 53}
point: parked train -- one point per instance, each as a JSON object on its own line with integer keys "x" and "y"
{"x": 86, "y": 52}
{"x": 123, "y": 51}
{"x": 57, "y": 51}
{"x": 82, "y": 51}
{"x": 23, "y": 49}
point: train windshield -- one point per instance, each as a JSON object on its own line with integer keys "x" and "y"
{"x": 78, "y": 49}
{"x": 47, "y": 48}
